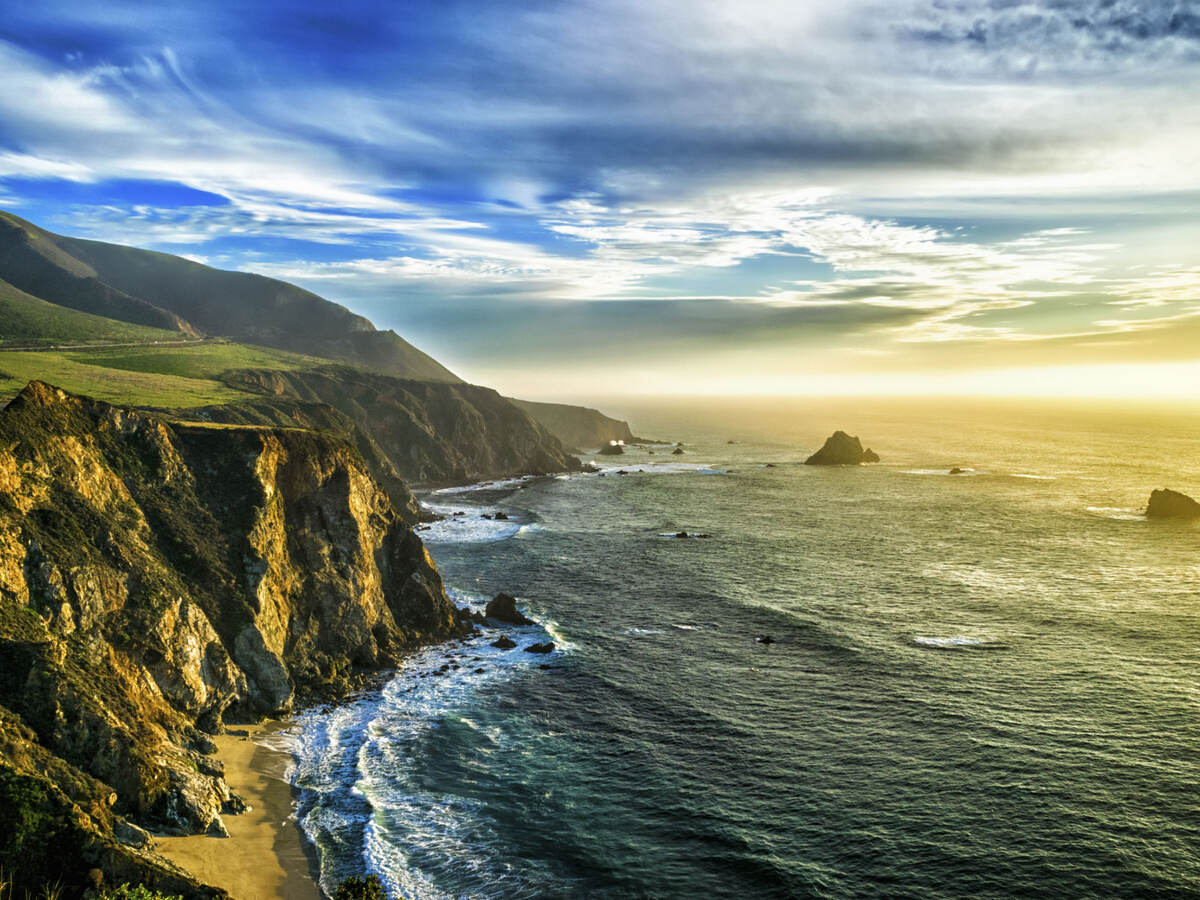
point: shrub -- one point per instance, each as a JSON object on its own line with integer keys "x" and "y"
{"x": 356, "y": 888}
{"x": 135, "y": 892}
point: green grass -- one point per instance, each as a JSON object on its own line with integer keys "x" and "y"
{"x": 113, "y": 385}
{"x": 168, "y": 377}
{"x": 27, "y": 321}
{"x": 206, "y": 361}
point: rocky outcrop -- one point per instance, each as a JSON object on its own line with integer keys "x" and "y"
{"x": 841, "y": 449}
{"x": 612, "y": 449}
{"x": 1168, "y": 504}
{"x": 429, "y": 431}
{"x": 156, "y": 579}
{"x": 503, "y": 608}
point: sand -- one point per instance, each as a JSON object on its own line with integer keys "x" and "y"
{"x": 265, "y": 856}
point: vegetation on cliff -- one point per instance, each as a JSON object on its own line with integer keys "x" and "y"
{"x": 157, "y": 578}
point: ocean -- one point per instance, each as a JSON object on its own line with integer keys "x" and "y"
{"x": 980, "y": 685}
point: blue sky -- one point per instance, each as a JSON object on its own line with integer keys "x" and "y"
{"x": 744, "y": 196}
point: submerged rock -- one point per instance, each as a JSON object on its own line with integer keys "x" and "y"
{"x": 503, "y": 608}
{"x": 841, "y": 449}
{"x": 957, "y": 471}
{"x": 1168, "y": 504}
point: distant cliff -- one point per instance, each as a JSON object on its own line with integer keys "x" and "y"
{"x": 578, "y": 427}
{"x": 158, "y": 578}
{"x": 430, "y": 432}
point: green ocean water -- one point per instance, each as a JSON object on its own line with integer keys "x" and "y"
{"x": 981, "y": 685}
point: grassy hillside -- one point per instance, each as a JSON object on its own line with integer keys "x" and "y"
{"x": 165, "y": 377}
{"x": 28, "y": 321}
{"x": 149, "y": 288}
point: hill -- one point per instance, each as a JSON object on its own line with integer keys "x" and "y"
{"x": 144, "y": 287}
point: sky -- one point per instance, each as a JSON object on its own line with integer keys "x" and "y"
{"x": 565, "y": 199}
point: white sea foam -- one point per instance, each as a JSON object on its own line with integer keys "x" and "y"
{"x": 665, "y": 468}
{"x": 469, "y": 528}
{"x": 1122, "y": 514}
{"x": 1035, "y": 477}
{"x": 497, "y": 485}
{"x": 641, "y": 631}
{"x": 949, "y": 642}
{"x": 962, "y": 474}
{"x": 367, "y": 744}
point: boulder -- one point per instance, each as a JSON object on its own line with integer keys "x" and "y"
{"x": 678, "y": 451}
{"x": 503, "y": 608}
{"x": 504, "y": 643}
{"x": 612, "y": 448}
{"x": 841, "y": 449}
{"x": 547, "y": 647}
{"x": 1168, "y": 504}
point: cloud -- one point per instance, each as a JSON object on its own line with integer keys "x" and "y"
{"x": 885, "y": 174}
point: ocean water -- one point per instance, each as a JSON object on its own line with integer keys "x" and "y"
{"x": 981, "y": 685}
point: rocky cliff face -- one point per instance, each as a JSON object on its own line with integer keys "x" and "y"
{"x": 156, "y": 579}
{"x": 430, "y": 431}
{"x": 578, "y": 427}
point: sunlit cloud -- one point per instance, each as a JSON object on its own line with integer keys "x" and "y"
{"x": 876, "y": 178}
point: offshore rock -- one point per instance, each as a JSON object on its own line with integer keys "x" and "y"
{"x": 504, "y": 643}
{"x": 1168, "y": 504}
{"x": 612, "y": 449}
{"x": 841, "y": 449}
{"x": 503, "y": 608}
{"x": 156, "y": 576}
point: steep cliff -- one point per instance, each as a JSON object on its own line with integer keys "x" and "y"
{"x": 430, "y": 431}
{"x": 157, "y": 578}
{"x": 578, "y": 427}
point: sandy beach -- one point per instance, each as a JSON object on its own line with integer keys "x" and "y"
{"x": 265, "y": 857}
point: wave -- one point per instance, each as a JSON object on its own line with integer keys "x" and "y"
{"x": 1035, "y": 477}
{"x": 499, "y": 484}
{"x": 358, "y": 801}
{"x": 951, "y": 643}
{"x": 665, "y": 468}
{"x": 963, "y": 473}
{"x": 1119, "y": 513}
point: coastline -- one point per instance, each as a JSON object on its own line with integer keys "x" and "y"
{"x": 266, "y": 855}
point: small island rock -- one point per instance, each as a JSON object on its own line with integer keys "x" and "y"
{"x": 503, "y": 608}
{"x": 612, "y": 449}
{"x": 504, "y": 643}
{"x": 1168, "y": 504}
{"x": 841, "y": 450}
{"x": 547, "y": 647}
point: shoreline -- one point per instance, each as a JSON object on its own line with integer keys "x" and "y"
{"x": 266, "y": 855}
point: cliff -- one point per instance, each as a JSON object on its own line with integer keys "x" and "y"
{"x": 429, "y": 431}
{"x": 1168, "y": 504}
{"x": 841, "y": 449}
{"x": 156, "y": 579}
{"x": 578, "y": 427}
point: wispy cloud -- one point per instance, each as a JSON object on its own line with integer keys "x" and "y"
{"x": 885, "y": 174}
